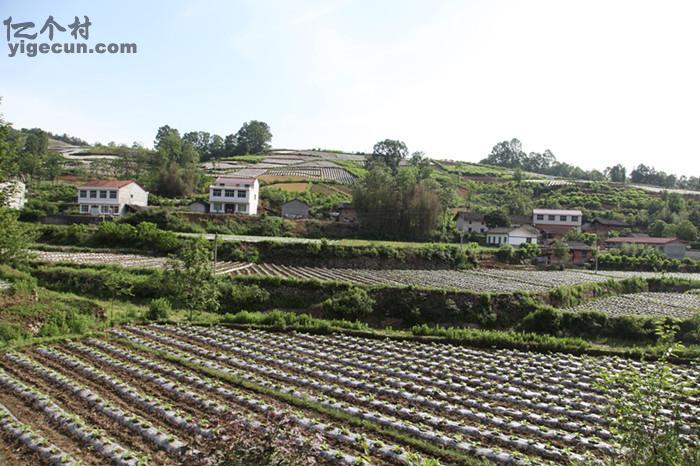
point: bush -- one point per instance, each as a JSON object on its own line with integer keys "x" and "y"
{"x": 545, "y": 320}
{"x": 237, "y": 297}
{"x": 351, "y": 304}
{"x": 159, "y": 309}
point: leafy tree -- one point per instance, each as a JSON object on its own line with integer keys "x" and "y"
{"x": 497, "y": 218}
{"x": 646, "y": 409}
{"x": 561, "y": 251}
{"x": 616, "y": 173}
{"x": 253, "y": 138}
{"x": 191, "y": 276}
{"x": 159, "y": 309}
{"x": 657, "y": 228}
{"x": 15, "y": 238}
{"x": 686, "y": 231}
{"x": 390, "y": 152}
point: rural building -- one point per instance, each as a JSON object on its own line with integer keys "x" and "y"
{"x": 603, "y": 226}
{"x": 471, "y": 223}
{"x": 673, "y": 248}
{"x": 515, "y": 236}
{"x": 347, "y": 213}
{"x": 579, "y": 253}
{"x": 234, "y": 195}
{"x": 111, "y": 197}
{"x": 295, "y": 209}
{"x": 13, "y": 194}
{"x": 517, "y": 220}
{"x": 555, "y": 223}
{"x": 199, "y": 207}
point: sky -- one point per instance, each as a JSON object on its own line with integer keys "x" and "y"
{"x": 596, "y": 82}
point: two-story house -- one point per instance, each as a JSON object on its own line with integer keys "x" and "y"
{"x": 234, "y": 195}
{"x": 111, "y": 197}
{"x": 555, "y": 223}
{"x": 468, "y": 222}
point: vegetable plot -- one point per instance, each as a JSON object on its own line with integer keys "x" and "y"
{"x": 164, "y": 394}
{"x": 678, "y": 305}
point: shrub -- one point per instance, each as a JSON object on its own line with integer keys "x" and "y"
{"x": 235, "y": 296}
{"x": 544, "y": 320}
{"x": 352, "y": 304}
{"x": 159, "y": 309}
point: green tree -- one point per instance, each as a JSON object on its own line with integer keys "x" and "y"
{"x": 646, "y": 409}
{"x": 561, "y": 251}
{"x": 497, "y": 218}
{"x": 15, "y": 238}
{"x": 190, "y": 274}
{"x": 352, "y": 304}
{"x": 390, "y": 152}
{"x": 686, "y": 231}
{"x": 616, "y": 173}
{"x": 253, "y": 138}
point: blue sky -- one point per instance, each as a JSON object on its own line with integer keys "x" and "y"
{"x": 596, "y": 82}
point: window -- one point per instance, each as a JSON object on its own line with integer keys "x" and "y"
{"x": 540, "y": 217}
{"x": 562, "y": 218}
{"x": 216, "y": 192}
{"x": 93, "y": 193}
{"x": 481, "y": 230}
{"x": 84, "y": 208}
{"x": 112, "y": 194}
{"x": 247, "y": 185}
{"x": 230, "y": 193}
{"x": 469, "y": 229}
{"x": 574, "y": 218}
{"x": 241, "y": 193}
{"x": 551, "y": 217}
{"x": 528, "y": 240}
{"x": 83, "y": 193}
{"x": 103, "y": 194}
{"x": 242, "y": 208}
{"x": 217, "y": 205}
{"x": 105, "y": 208}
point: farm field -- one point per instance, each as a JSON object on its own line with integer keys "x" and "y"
{"x": 678, "y": 305}
{"x": 480, "y": 280}
{"x": 124, "y": 260}
{"x": 167, "y": 394}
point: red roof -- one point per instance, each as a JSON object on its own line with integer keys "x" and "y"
{"x": 640, "y": 240}
{"x": 107, "y": 183}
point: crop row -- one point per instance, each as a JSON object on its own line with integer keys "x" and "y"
{"x": 322, "y": 394}
{"x": 678, "y": 305}
{"x": 337, "y": 174}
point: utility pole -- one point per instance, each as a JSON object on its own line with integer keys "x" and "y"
{"x": 216, "y": 247}
{"x": 595, "y": 251}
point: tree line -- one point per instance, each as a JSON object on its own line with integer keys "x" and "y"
{"x": 509, "y": 154}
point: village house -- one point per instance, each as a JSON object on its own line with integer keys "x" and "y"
{"x": 111, "y": 197}
{"x": 579, "y": 253}
{"x": 13, "y": 194}
{"x": 234, "y": 195}
{"x": 603, "y": 226}
{"x": 347, "y": 213}
{"x": 199, "y": 207}
{"x": 556, "y": 223}
{"x": 673, "y": 248}
{"x": 295, "y": 209}
{"x": 515, "y": 236}
{"x": 471, "y": 223}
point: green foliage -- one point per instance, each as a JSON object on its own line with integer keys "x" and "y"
{"x": 646, "y": 410}
{"x": 253, "y": 138}
{"x": 15, "y": 238}
{"x": 236, "y": 296}
{"x": 159, "y": 309}
{"x": 389, "y": 153}
{"x": 546, "y": 320}
{"x": 281, "y": 319}
{"x": 397, "y": 205}
{"x": 351, "y": 304}
{"x": 190, "y": 278}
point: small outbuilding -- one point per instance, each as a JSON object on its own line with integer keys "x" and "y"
{"x": 515, "y": 236}
{"x": 295, "y": 209}
{"x": 199, "y": 207}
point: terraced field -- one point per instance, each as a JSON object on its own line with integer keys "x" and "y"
{"x": 678, "y": 305}
{"x": 165, "y": 394}
{"x": 482, "y": 280}
{"x": 124, "y": 260}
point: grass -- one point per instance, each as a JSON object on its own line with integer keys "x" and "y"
{"x": 243, "y": 158}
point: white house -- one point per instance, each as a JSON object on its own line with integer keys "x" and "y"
{"x": 556, "y": 222}
{"x": 471, "y": 223}
{"x": 234, "y": 195}
{"x": 515, "y": 236}
{"x": 111, "y": 197}
{"x": 13, "y": 194}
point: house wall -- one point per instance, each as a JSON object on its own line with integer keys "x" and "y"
{"x": 130, "y": 194}
{"x": 497, "y": 239}
{"x": 295, "y": 210}
{"x": 557, "y": 220}
{"x": 675, "y": 250}
{"x": 471, "y": 226}
{"x": 517, "y": 240}
{"x": 246, "y": 205}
